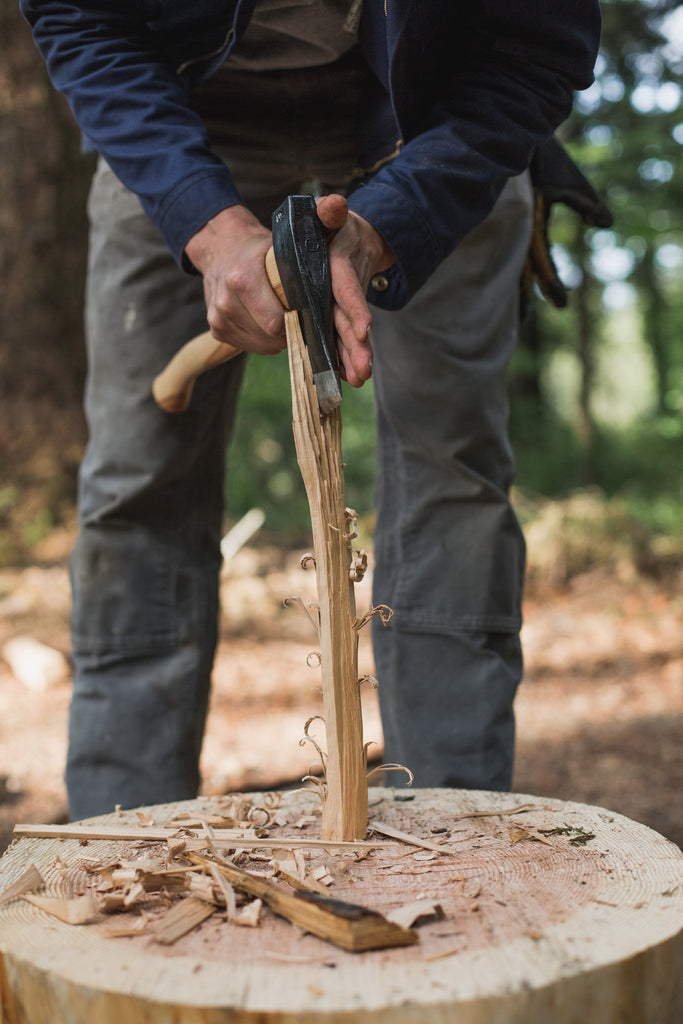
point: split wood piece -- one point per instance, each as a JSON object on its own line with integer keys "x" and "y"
{"x": 318, "y": 447}
{"x": 224, "y": 837}
{"x": 181, "y": 919}
{"x": 346, "y": 925}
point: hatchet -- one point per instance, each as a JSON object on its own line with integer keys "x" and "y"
{"x": 298, "y": 269}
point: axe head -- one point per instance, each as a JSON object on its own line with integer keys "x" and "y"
{"x": 300, "y": 250}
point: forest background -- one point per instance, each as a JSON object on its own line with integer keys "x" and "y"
{"x": 596, "y": 421}
{"x": 596, "y": 389}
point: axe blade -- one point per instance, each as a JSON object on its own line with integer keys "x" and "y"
{"x": 300, "y": 250}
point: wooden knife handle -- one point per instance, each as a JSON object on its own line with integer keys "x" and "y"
{"x": 172, "y": 388}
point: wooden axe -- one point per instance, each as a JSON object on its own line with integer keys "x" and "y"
{"x": 298, "y": 270}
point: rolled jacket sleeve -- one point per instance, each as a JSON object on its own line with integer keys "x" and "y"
{"x": 510, "y": 84}
{"x": 133, "y": 107}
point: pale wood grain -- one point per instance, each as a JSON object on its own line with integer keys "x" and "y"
{"x": 318, "y": 447}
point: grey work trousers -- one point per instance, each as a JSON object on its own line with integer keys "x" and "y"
{"x": 449, "y": 553}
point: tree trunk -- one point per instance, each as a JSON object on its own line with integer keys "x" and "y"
{"x": 43, "y": 186}
{"x": 654, "y": 305}
{"x": 554, "y": 912}
{"x": 586, "y": 354}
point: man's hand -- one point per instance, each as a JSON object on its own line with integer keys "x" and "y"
{"x": 356, "y": 252}
{"x": 241, "y": 307}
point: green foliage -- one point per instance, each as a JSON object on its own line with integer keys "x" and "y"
{"x": 262, "y": 467}
{"x": 601, "y": 383}
{"x": 596, "y": 391}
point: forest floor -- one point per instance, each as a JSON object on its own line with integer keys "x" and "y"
{"x": 599, "y": 715}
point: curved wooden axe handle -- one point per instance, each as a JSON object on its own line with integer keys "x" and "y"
{"x": 172, "y": 388}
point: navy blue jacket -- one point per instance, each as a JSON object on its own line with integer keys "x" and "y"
{"x": 466, "y": 90}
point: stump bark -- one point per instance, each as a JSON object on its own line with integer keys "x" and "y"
{"x": 555, "y": 912}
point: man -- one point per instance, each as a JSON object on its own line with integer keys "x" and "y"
{"x": 425, "y": 115}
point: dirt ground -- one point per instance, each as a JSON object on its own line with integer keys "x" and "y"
{"x": 600, "y": 713}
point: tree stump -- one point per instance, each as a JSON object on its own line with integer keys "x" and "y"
{"x": 553, "y": 912}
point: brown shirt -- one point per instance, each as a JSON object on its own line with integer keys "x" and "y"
{"x": 296, "y": 34}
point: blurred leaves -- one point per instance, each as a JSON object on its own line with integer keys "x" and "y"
{"x": 262, "y": 467}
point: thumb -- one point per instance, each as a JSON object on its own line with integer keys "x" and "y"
{"x": 333, "y": 211}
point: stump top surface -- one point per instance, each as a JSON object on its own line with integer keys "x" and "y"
{"x": 534, "y": 891}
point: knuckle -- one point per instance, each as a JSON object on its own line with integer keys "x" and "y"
{"x": 239, "y": 280}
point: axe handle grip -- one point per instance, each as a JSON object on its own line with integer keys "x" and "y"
{"x": 172, "y": 388}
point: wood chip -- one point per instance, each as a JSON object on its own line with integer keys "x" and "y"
{"x": 78, "y": 910}
{"x": 250, "y": 914}
{"x": 29, "y": 881}
{"x": 181, "y": 919}
{"x": 286, "y": 863}
{"x": 127, "y": 928}
{"x": 202, "y": 887}
{"x": 322, "y": 875}
{"x": 407, "y": 915}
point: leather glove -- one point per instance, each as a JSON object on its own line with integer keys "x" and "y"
{"x": 556, "y": 179}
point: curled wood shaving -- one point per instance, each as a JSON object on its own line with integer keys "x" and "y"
{"x": 308, "y": 561}
{"x": 359, "y": 566}
{"x": 373, "y": 680}
{"x": 366, "y": 747}
{"x": 237, "y": 805}
{"x": 309, "y": 611}
{"x": 320, "y": 787}
{"x": 307, "y": 738}
{"x": 385, "y": 614}
{"x": 351, "y": 517}
{"x": 393, "y": 767}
